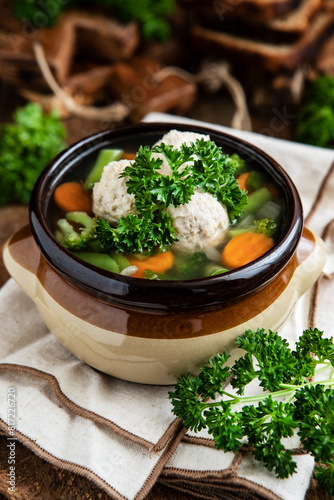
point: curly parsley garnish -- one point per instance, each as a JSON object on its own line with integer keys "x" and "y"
{"x": 199, "y": 166}
{"x": 137, "y": 235}
{"x": 291, "y": 402}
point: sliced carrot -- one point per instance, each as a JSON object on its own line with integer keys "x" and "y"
{"x": 72, "y": 197}
{"x": 242, "y": 180}
{"x": 158, "y": 263}
{"x": 245, "y": 248}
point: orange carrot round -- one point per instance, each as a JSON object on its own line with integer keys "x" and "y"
{"x": 245, "y": 248}
{"x": 72, "y": 197}
{"x": 158, "y": 263}
{"x": 242, "y": 180}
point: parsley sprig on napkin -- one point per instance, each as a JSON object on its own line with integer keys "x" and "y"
{"x": 294, "y": 399}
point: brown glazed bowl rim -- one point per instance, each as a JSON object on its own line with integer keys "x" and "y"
{"x": 162, "y": 295}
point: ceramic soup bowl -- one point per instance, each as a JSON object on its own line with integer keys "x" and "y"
{"x": 151, "y": 331}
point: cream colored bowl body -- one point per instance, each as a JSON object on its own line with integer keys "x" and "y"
{"x": 157, "y": 360}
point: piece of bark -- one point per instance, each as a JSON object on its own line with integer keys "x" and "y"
{"x": 18, "y": 62}
{"x": 8, "y": 22}
{"x": 76, "y": 34}
{"x": 104, "y": 38}
{"x": 170, "y": 53}
{"x": 264, "y": 9}
{"x": 59, "y": 46}
{"x": 85, "y": 88}
{"x": 138, "y": 85}
{"x": 270, "y": 57}
{"x": 280, "y": 30}
{"x": 325, "y": 59}
{"x": 90, "y": 84}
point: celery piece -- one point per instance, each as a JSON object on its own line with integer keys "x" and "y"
{"x": 269, "y": 210}
{"x": 120, "y": 260}
{"x": 101, "y": 260}
{"x": 105, "y": 156}
{"x": 245, "y": 223}
{"x": 255, "y": 180}
{"x": 256, "y": 200}
{"x": 240, "y": 230}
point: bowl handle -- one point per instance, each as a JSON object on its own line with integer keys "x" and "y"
{"x": 311, "y": 261}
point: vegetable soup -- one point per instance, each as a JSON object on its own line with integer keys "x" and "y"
{"x": 179, "y": 210}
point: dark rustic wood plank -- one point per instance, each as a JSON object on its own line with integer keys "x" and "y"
{"x": 137, "y": 85}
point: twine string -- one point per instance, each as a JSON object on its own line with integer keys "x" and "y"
{"x": 214, "y": 76}
{"x": 114, "y": 112}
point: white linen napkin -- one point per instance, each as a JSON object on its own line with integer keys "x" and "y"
{"x": 121, "y": 435}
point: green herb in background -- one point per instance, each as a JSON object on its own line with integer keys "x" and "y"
{"x": 38, "y": 13}
{"x": 151, "y": 15}
{"x": 315, "y": 117}
{"x": 26, "y": 147}
{"x": 288, "y": 402}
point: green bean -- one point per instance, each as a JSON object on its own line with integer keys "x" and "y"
{"x": 255, "y": 180}
{"x": 120, "y": 260}
{"x": 101, "y": 260}
{"x": 240, "y": 230}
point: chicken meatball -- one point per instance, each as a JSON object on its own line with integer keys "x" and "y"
{"x": 176, "y": 138}
{"x": 111, "y": 200}
{"x": 201, "y": 223}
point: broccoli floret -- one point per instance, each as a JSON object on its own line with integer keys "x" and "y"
{"x": 69, "y": 237}
{"x": 239, "y": 164}
{"x": 266, "y": 226}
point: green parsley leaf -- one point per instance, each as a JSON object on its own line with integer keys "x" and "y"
{"x": 135, "y": 235}
{"x": 276, "y": 364}
{"x": 225, "y": 426}
{"x": 213, "y": 374}
{"x": 187, "y": 403}
{"x": 312, "y": 340}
